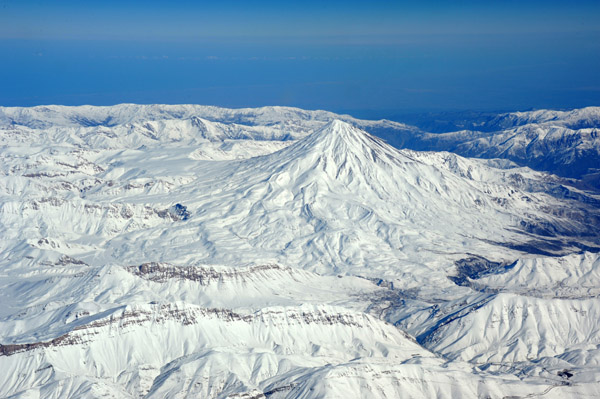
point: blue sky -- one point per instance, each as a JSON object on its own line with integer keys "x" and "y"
{"x": 368, "y": 58}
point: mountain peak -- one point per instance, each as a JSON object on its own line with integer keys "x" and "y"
{"x": 340, "y": 139}
{"x": 337, "y": 150}
{"x": 340, "y": 130}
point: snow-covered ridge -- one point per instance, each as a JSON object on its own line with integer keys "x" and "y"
{"x": 83, "y": 331}
{"x": 203, "y": 275}
{"x": 56, "y": 115}
{"x": 561, "y": 142}
{"x": 575, "y": 119}
{"x": 131, "y": 125}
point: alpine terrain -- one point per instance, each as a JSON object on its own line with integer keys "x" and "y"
{"x": 179, "y": 251}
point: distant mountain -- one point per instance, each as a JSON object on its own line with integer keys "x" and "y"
{"x": 446, "y": 122}
{"x": 566, "y": 143}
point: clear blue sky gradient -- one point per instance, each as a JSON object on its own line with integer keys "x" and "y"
{"x": 369, "y": 58}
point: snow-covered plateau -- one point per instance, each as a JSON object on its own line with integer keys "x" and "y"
{"x": 178, "y": 251}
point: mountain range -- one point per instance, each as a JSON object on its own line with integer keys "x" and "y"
{"x": 195, "y": 251}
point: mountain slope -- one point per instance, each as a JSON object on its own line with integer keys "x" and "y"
{"x": 562, "y": 142}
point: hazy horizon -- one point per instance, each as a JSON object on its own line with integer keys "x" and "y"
{"x": 377, "y": 60}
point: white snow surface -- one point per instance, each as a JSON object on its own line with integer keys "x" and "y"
{"x": 190, "y": 251}
{"x": 566, "y": 143}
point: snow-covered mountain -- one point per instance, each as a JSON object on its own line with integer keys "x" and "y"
{"x": 173, "y": 251}
{"x": 566, "y": 143}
